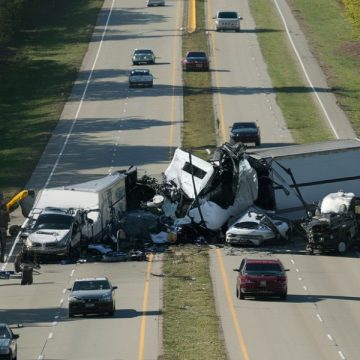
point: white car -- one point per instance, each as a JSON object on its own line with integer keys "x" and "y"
{"x": 227, "y": 20}
{"x": 155, "y": 3}
{"x": 255, "y": 226}
{"x": 140, "y": 78}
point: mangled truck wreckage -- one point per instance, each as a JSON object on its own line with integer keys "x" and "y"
{"x": 335, "y": 226}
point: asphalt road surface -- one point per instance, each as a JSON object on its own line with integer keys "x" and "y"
{"x": 106, "y": 126}
{"x": 319, "y": 319}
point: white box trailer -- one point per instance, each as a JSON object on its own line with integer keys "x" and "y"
{"x": 63, "y": 216}
{"x": 318, "y": 169}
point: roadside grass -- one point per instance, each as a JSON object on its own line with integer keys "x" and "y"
{"x": 338, "y": 49}
{"x": 199, "y": 121}
{"x": 191, "y": 326}
{"x": 36, "y": 82}
{"x": 293, "y": 95}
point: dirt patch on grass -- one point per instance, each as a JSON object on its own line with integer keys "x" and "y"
{"x": 351, "y": 49}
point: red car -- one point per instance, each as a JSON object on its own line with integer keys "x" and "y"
{"x": 263, "y": 277}
{"x": 195, "y": 60}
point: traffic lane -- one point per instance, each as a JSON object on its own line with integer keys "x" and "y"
{"x": 104, "y": 337}
{"x": 285, "y": 329}
{"x": 35, "y": 306}
{"x": 331, "y": 282}
{"x": 243, "y": 88}
{"x": 93, "y": 123}
{"x": 117, "y": 141}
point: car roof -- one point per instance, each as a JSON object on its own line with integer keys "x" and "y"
{"x": 245, "y": 124}
{"x": 198, "y": 53}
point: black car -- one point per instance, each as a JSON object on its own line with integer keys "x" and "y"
{"x": 245, "y": 132}
{"x": 92, "y": 296}
{"x": 8, "y": 345}
{"x": 195, "y": 60}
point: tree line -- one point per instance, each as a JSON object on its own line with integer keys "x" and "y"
{"x": 19, "y": 14}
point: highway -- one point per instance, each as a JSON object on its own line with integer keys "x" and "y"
{"x": 105, "y": 126}
{"x": 319, "y": 319}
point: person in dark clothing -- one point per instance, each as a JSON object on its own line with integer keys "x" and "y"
{"x": 4, "y": 223}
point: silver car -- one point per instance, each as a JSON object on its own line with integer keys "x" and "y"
{"x": 143, "y": 56}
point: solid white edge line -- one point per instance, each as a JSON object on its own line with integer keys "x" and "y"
{"x": 305, "y": 72}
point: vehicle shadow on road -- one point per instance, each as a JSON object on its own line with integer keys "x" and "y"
{"x": 313, "y": 298}
{"x": 120, "y": 314}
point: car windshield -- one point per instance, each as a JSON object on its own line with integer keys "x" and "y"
{"x": 262, "y": 268}
{"x": 228, "y": 15}
{"x": 53, "y": 221}
{"x": 140, "y": 72}
{"x": 89, "y": 285}
{"x": 148, "y": 52}
{"x": 196, "y": 54}
{"x": 4, "y": 333}
{"x": 246, "y": 225}
{"x": 244, "y": 126}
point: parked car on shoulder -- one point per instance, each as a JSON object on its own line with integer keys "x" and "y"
{"x": 195, "y": 60}
{"x": 261, "y": 277}
{"x": 155, "y": 3}
{"x": 140, "y": 78}
{"x": 92, "y": 296}
{"x": 245, "y": 132}
{"x": 143, "y": 56}
{"x": 255, "y": 227}
{"x": 8, "y": 344}
{"x": 227, "y": 20}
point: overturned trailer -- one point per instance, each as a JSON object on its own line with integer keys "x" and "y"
{"x": 293, "y": 177}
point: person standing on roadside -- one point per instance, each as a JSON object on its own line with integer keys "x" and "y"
{"x": 4, "y": 223}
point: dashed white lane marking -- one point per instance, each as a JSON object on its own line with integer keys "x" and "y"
{"x": 329, "y": 337}
{"x": 319, "y": 317}
{"x": 50, "y": 335}
{"x": 305, "y": 288}
{"x": 61, "y": 301}
{"x": 292, "y": 261}
{"x": 64, "y": 291}
{"x": 297, "y": 270}
{"x": 55, "y": 323}
{"x": 72, "y": 272}
{"x": 41, "y": 357}
{"x": 300, "y": 278}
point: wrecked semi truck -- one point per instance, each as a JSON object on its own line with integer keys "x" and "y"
{"x": 63, "y": 217}
{"x": 294, "y": 177}
{"x": 335, "y": 225}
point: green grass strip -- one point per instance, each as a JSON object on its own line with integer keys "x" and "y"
{"x": 292, "y": 93}
{"x": 191, "y": 327}
{"x": 199, "y": 120}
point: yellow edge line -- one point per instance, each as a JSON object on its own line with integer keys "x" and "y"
{"x": 174, "y": 70}
{"x": 144, "y": 309}
{"x": 231, "y": 306}
{"x": 218, "y": 95}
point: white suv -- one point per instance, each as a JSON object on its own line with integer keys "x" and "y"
{"x": 227, "y": 20}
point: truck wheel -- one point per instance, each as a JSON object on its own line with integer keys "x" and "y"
{"x": 342, "y": 247}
